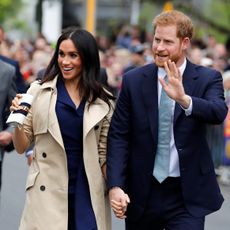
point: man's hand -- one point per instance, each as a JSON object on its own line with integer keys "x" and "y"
{"x": 5, "y": 138}
{"x": 118, "y": 201}
{"x": 174, "y": 87}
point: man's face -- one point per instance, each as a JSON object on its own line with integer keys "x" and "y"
{"x": 166, "y": 45}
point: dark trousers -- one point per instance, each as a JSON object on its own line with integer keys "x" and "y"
{"x": 166, "y": 210}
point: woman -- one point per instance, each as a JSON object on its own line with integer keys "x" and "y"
{"x": 68, "y": 122}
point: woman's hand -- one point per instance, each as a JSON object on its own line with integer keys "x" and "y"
{"x": 5, "y": 138}
{"x": 16, "y": 103}
{"x": 119, "y": 202}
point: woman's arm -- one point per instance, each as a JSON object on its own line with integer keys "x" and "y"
{"x": 20, "y": 140}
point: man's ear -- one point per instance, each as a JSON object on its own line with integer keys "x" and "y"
{"x": 185, "y": 43}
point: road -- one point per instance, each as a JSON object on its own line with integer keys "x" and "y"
{"x": 12, "y": 198}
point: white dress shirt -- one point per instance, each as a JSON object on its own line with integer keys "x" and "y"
{"x": 174, "y": 170}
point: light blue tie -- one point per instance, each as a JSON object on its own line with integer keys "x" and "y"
{"x": 161, "y": 166}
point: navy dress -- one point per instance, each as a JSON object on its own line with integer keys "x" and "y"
{"x": 70, "y": 118}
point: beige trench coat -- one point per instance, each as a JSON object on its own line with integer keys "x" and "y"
{"x": 47, "y": 182}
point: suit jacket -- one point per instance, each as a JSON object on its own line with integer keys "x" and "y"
{"x": 47, "y": 182}
{"x": 7, "y": 93}
{"x": 133, "y": 134}
{"x": 20, "y": 83}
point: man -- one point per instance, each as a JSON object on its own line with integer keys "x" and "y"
{"x": 179, "y": 194}
{"x": 7, "y": 93}
{"x": 20, "y": 83}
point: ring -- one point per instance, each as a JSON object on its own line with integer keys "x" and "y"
{"x": 25, "y": 108}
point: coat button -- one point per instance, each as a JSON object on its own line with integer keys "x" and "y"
{"x": 44, "y": 155}
{"x": 42, "y": 188}
{"x": 96, "y": 127}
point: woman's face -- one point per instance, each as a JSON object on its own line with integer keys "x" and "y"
{"x": 69, "y": 60}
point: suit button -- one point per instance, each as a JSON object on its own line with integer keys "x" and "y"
{"x": 183, "y": 169}
{"x": 44, "y": 155}
{"x": 42, "y": 188}
{"x": 96, "y": 127}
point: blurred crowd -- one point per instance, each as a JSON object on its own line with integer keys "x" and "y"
{"x": 127, "y": 48}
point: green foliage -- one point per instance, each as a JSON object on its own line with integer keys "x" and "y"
{"x": 148, "y": 12}
{"x": 9, "y": 9}
{"x": 214, "y": 18}
{"x": 222, "y": 11}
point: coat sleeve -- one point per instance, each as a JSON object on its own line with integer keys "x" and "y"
{"x": 28, "y": 123}
{"x": 102, "y": 144}
{"x": 211, "y": 107}
{"x": 119, "y": 139}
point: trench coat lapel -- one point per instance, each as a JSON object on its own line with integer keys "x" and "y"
{"x": 49, "y": 111}
{"x": 93, "y": 114}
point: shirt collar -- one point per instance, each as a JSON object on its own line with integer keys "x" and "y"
{"x": 161, "y": 71}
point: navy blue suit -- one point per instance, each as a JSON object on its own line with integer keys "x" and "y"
{"x": 133, "y": 133}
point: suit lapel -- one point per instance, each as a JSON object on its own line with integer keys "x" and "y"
{"x": 189, "y": 76}
{"x": 150, "y": 93}
{"x": 150, "y": 97}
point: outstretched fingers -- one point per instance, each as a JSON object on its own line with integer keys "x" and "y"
{"x": 172, "y": 70}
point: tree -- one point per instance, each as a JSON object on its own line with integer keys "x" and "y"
{"x": 39, "y": 14}
{"x": 9, "y": 9}
{"x": 218, "y": 25}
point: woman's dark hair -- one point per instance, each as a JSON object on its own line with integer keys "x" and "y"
{"x": 89, "y": 85}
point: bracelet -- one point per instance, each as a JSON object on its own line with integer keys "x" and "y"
{"x": 25, "y": 108}
{"x": 16, "y": 125}
{"x": 28, "y": 153}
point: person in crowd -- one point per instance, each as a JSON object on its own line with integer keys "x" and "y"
{"x": 68, "y": 123}
{"x": 227, "y": 45}
{"x": 223, "y": 171}
{"x": 137, "y": 57}
{"x": 159, "y": 169}
{"x": 7, "y": 93}
{"x": 20, "y": 83}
